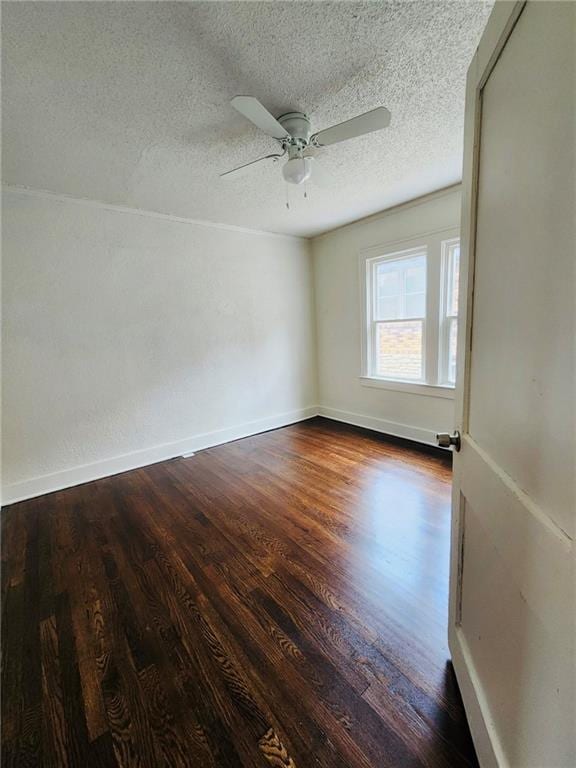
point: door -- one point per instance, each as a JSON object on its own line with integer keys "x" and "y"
{"x": 512, "y": 604}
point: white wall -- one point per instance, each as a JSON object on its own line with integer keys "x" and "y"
{"x": 338, "y": 317}
{"x": 129, "y": 338}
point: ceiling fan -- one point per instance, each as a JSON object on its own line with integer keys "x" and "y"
{"x": 293, "y": 132}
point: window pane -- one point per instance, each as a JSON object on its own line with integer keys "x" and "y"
{"x": 416, "y": 278}
{"x": 452, "y": 306}
{"x": 388, "y": 307}
{"x": 399, "y": 350}
{"x": 415, "y": 304}
{"x": 388, "y": 291}
{"x": 452, "y": 342}
{"x": 400, "y": 288}
{"x": 388, "y": 282}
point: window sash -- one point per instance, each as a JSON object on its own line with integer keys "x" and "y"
{"x": 373, "y": 277}
{"x": 374, "y": 351}
{"x": 401, "y": 320}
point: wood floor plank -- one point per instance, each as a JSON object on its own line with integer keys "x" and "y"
{"x": 53, "y": 718}
{"x": 73, "y": 703}
{"x": 276, "y": 601}
{"x": 12, "y": 664}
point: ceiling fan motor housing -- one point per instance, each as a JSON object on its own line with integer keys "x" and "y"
{"x": 298, "y": 126}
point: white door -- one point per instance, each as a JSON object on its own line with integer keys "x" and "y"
{"x": 512, "y": 609}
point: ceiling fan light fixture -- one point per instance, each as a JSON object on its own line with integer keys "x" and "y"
{"x": 297, "y": 169}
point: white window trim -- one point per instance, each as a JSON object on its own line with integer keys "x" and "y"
{"x": 431, "y": 242}
{"x": 412, "y": 387}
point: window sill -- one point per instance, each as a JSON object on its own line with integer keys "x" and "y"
{"x": 410, "y": 387}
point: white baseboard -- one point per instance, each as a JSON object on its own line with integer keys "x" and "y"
{"x": 85, "y": 473}
{"x": 66, "y": 478}
{"x": 484, "y": 735}
{"x": 419, "y": 435}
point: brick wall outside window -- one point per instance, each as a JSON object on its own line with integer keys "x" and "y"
{"x": 399, "y": 350}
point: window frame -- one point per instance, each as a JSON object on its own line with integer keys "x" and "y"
{"x": 432, "y": 245}
{"x": 373, "y": 322}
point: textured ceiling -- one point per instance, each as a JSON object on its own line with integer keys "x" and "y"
{"x": 128, "y": 102}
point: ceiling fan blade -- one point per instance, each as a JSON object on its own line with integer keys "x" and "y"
{"x": 370, "y": 121}
{"x": 252, "y": 162}
{"x": 251, "y": 108}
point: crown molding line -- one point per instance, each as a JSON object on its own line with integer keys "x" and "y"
{"x": 427, "y": 198}
{"x": 58, "y": 197}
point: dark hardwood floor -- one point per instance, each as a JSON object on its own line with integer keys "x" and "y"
{"x": 277, "y": 601}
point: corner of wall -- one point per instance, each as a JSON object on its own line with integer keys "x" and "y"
{"x": 337, "y": 310}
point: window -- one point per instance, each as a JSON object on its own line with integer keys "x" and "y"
{"x": 410, "y": 332}
{"x": 449, "y": 321}
{"x": 399, "y": 316}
